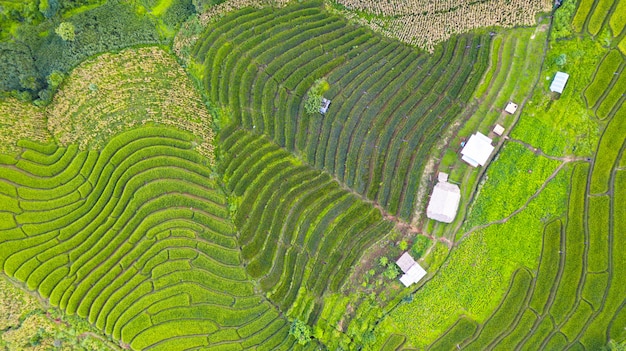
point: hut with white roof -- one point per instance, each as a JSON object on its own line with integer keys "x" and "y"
{"x": 558, "y": 83}
{"x": 511, "y": 107}
{"x": 413, "y": 272}
{"x": 477, "y": 150}
{"x": 444, "y": 202}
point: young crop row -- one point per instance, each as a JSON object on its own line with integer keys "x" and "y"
{"x": 608, "y": 152}
{"x": 140, "y": 245}
{"x": 607, "y": 72}
{"x": 299, "y": 229}
{"x": 598, "y": 14}
{"x": 388, "y": 101}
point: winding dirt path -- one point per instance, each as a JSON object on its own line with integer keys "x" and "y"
{"x": 539, "y": 152}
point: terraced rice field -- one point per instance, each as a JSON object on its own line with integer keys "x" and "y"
{"x": 131, "y": 220}
{"x": 301, "y": 233}
{"x": 389, "y": 102}
{"x": 136, "y": 239}
{"x": 575, "y": 299}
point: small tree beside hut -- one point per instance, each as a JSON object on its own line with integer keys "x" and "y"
{"x": 314, "y": 99}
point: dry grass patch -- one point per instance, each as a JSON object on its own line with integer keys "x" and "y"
{"x": 116, "y": 91}
{"x": 425, "y": 22}
{"x": 20, "y": 120}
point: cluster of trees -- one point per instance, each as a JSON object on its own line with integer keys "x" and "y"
{"x": 41, "y": 40}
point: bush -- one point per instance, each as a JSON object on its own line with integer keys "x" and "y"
{"x": 314, "y": 97}
{"x": 562, "y": 18}
{"x": 178, "y": 12}
{"x": 300, "y": 331}
{"x": 112, "y": 26}
{"x": 422, "y": 243}
{"x": 560, "y": 60}
{"x": 66, "y": 31}
{"x": 391, "y": 272}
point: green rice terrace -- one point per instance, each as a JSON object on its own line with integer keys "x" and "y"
{"x": 289, "y": 175}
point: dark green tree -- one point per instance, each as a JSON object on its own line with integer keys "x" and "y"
{"x": 561, "y": 60}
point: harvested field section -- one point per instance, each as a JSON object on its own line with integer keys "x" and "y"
{"x": 427, "y": 23}
{"x": 116, "y": 91}
{"x": 20, "y": 120}
{"x": 141, "y": 246}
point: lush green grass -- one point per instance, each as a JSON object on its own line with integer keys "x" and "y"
{"x": 608, "y": 151}
{"x": 475, "y": 277}
{"x": 460, "y": 331}
{"x": 574, "y": 246}
{"x": 612, "y": 98}
{"x": 548, "y": 267}
{"x": 618, "y": 18}
{"x": 510, "y": 181}
{"x": 604, "y": 75}
{"x": 598, "y": 224}
{"x": 583, "y": 10}
{"x": 502, "y": 319}
{"x": 563, "y": 126}
{"x": 600, "y": 14}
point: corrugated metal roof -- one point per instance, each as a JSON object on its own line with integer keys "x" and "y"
{"x": 559, "y": 81}
{"x": 444, "y": 202}
{"x": 405, "y": 262}
{"x": 477, "y": 150}
{"x": 414, "y": 275}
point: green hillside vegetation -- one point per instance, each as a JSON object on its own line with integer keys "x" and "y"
{"x": 203, "y": 202}
{"x": 568, "y": 299}
{"x": 127, "y": 89}
{"x": 32, "y": 47}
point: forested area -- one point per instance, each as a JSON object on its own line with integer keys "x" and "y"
{"x": 42, "y": 40}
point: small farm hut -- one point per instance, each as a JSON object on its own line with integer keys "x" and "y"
{"x": 558, "y": 83}
{"x": 477, "y": 150}
{"x": 325, "y": 105}
{"x": 498, "y": 130}
{"x": 413, "y": 272}
{"x": 444, "y": 202}
{"x": 511, "y": 107}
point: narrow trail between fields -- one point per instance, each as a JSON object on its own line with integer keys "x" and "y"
{"x": 564, "y": 161}
{"x": 539, "y": 152}
{"x": 401, "y": 225}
